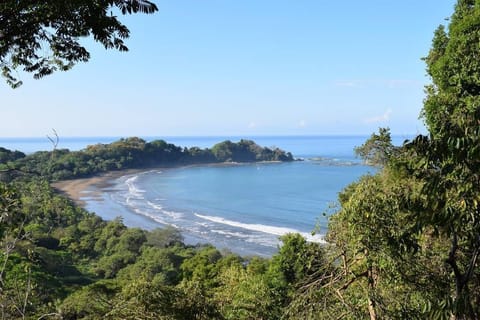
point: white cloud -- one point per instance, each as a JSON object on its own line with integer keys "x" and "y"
{"x": 252, "y": 125}
{"x": 385, "y": 117}
{"x": 382, "y": 83}
{"x": 302, "y": 124}
{"x": 348, "y": 84}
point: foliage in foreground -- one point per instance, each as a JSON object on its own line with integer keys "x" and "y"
{"x": 404, "y": 243}
{"x": 42, "y": 37}
{"x": 59, "y": 261}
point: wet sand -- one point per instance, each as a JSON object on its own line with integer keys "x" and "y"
{"x": 76, "y": 189}
{"x": 92, "y": 187}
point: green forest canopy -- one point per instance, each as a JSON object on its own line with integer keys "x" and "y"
{"x": 403, "y": 244}
{"x": 131, "y": 153}
{"x": 42, "y": 37}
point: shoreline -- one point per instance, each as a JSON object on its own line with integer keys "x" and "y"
{"x": 96, "y": 194}
{"x": 78, "y": 188}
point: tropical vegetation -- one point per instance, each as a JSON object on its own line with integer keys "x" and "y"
{"x": 130, "y": 153}
{"x": 404, "y": 242}
{"x": 43, "y": 37}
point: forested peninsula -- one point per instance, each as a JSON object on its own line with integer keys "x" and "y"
{"x": 130, "y": 153}
{"x": 61, "y": 262}
{"x": 403, "y": 243}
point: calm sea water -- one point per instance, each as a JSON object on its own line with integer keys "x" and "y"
{"x": 243, "y": 208}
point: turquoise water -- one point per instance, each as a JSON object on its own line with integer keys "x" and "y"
{"x": 243, "y": 208}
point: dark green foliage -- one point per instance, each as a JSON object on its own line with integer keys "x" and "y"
{"x": 10, "y": 215}
{"x": 202, "y": 266}
{"x": 117, "y": 247}
{"x": 89, "y": 302}
{"x": 447, "y": 162}
{"x": 35, "y": 269}
{"x": 142, "y": 299}
{"x": 43, "y": 37}
{"x": 166, "y": 237}
{"x": 247, "y": 151}
{"x": 198, "y": 155}
{"x": 8, "y": 155}
{"x": 158, "y": 265}
{"x": 378, "y": 149}
{"x": 56, "y": 257}
{"x": 404, "y": 243}
{"x": 295, "y": 256}
{"x": 134, "y": 152}
{"x": 23, "y": 279}
{"x": 70, "y": 264}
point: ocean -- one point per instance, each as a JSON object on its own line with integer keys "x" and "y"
{"x": 243, "y": 208}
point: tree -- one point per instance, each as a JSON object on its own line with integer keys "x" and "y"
{"x": 448, "y": 160}
{"x": 378, "y": 149}
{"x": 386, "y": 266}
{"x": 142, "y": 299}
{"x": 90, "y": 302}
{"x": 8, "y": 155}
{"x": 297, "y": 258}
{"x": 408, "y": 237}
{"x": 246, "y": 295}
{"x": 164, "y": 237}
{"x": 43, "y": 36}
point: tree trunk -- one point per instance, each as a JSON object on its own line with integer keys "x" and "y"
{"x": 371, "y": 288}
{"x": 372, "y": 283}
{"x": 371, "y": 309}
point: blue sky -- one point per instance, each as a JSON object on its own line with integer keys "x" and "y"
{"x": 249, "y": 67}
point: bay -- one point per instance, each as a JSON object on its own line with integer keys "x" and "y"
{"x": 243, "y": 208}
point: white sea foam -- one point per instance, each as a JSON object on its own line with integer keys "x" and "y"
{"x": 278, "y": 231}
{"x": 230, "y": 234}
{"x": 263, "y": 239}
{"x": 254, "y": 227}
{"x": 154, "y": 217}
{"x": 133, "y": 190}
{"x": 172, "y": 214}
{"x": 155, "y": 206}
{"x": 132, "y": 201}
{"x": 203, "y": 224}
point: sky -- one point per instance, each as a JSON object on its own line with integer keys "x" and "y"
{"x": 249, "y": 67}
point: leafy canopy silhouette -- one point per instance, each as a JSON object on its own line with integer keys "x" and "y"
{"x": 42, "y": 37}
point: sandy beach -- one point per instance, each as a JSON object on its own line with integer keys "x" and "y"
{"x": 79, "y": 188}
{"x": 76, "y": 189}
